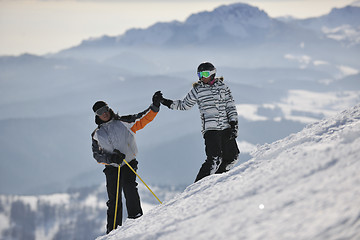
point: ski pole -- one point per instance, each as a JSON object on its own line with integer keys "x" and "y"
{"x": 117, "y": 197}
{"x": 142, "y": 181}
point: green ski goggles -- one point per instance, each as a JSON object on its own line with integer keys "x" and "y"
{"x": 206, "y": 74}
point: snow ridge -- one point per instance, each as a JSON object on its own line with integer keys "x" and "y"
{"x": 305, "y": 186}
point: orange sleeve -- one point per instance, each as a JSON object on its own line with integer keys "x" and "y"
{"x": 142, "y": 122}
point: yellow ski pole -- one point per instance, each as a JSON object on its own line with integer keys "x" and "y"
{"x": 117, "y": 197}
{"x": 142, "y": 180}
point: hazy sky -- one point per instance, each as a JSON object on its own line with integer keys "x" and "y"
{"x": 43, "y": 26}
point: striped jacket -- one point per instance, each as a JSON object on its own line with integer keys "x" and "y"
{"x": 119, "y": 133}
{"x": 215, "y": 102}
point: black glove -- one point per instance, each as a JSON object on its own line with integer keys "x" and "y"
{"x": 157, "y": 98}
{"x": 117, "y": 157}
{"x": 166, "y": 102}
{"x": 234, "y": 130}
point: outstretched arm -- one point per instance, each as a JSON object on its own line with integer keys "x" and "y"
{"x": 185, "y": 104}
{"x": 139, "y": 121}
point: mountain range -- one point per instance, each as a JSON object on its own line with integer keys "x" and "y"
{"x": 231, "y": 32}
{"x": 234, "y": 24}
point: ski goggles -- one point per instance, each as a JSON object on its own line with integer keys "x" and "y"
{"x": 206, "y": 74}
{"x": 102, "y": 110}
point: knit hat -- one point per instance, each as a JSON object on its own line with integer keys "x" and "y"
{"x": 98, "y": 105}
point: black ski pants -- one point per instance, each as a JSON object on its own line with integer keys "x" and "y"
{"x": 128, "y": 185}
{"x": 221, "y": 152}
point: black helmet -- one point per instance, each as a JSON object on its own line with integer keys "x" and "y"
{"x": 206, "y": 66}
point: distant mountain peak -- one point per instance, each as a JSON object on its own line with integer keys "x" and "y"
{"x": 236, "y": 21}
{"x": 233, "y": 13}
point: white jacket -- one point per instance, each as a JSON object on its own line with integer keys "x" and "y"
{"x": 119, "y": 133}
{"x": 215, "y": 102}
{"x": 116, "y": 134}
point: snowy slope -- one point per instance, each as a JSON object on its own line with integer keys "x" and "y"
{"x": 305, "y": 186}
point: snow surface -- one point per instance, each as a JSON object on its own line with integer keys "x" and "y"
{"x": 305, "y": 186}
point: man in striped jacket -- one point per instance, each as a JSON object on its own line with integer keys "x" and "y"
{"x": 112, "y": 141}
{"x": 219, "y": 120}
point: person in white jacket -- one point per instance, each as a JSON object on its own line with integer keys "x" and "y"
{"x": 112, "y": 141}
{"x": 218, "y": 116}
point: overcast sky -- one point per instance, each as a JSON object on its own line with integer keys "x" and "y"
{"x": 43, "y": 26}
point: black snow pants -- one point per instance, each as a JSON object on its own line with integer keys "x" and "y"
{"x": 128, "y": 185}
{"x": 221, "y": 152}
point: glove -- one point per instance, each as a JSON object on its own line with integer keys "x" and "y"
{"x": 157, "y": 98}
{"x": 117, "y": 157}
{"x": 234, "y": 130}
{"x": 166, "y": 102}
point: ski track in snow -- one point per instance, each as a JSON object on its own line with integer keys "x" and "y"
{"x": 305, "y": 186}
